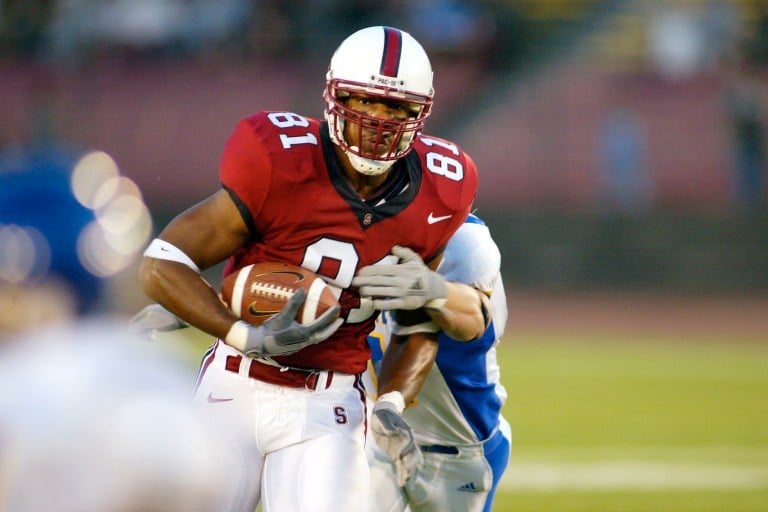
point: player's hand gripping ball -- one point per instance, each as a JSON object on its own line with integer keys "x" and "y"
{"x": 257, "y": 292}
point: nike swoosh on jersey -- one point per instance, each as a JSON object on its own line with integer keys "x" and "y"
{"x": 432, "y": 219}
{"x": 212, "y": 399}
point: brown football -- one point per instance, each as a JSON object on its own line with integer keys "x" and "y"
{"x": 258, "y": 291}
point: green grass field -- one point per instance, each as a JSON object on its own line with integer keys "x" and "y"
{"x": 628, "y": 424}
{"x": 635, "y": 424}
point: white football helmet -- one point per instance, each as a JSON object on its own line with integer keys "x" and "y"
{"x": 383, "y": 62}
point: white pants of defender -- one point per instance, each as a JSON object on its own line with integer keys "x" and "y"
{"x": 301, "y": 450}
{"x": 444, "y": 482}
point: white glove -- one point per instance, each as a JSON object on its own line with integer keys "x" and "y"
{"x": 409, "y": 284}
{"x": 395, "y": 437}
{"x": 282, "y": 334}
{"x": 152, "y": 319}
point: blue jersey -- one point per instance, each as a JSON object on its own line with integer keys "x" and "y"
{"x": 461, "y": 400}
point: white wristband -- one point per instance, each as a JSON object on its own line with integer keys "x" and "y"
{"x": 162, "y": 250}
{"x": 237, "y": 336}
{"x": 395, "y": 398}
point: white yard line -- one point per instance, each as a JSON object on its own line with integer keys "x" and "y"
{"x": 710, "y": 471}
{"x": 632, "y": 475}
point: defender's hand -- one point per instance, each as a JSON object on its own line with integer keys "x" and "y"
{"x": 282, "y": 334}
{"x": 409, "y": 284}
{"x": 154, "y": 318}
{"x": 395, "y": 437}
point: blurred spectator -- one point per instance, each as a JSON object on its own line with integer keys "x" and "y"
{"x": 23, "y": 26}
{"x": 318, "y": 26}
{"x": 450, "y": 27}
{"x": 686, "y": 39}
{"x": 756, "y": 42}
{"x": 747, "y": 109}
{"x": 676, "y": 43}
{"x": 625, "y": 185}
{"x": 82, "y": 27}
{"x": 722, "y": 25}
{"x": 214, "y": 25}
{"x": 509, "y": 39}
{"x": 151, "y": 27}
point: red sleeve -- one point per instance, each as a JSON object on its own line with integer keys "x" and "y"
{"x": 245, "y": 169}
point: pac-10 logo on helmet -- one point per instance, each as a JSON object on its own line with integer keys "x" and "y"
{"x": 382, "y": 62}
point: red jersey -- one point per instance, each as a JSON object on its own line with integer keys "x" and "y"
{"x": 282, "y": 172}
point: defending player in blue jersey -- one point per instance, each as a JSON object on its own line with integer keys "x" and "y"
{"x": 456, "y": 416}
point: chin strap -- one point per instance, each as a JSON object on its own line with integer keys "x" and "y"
{"x": 367, "y": 166}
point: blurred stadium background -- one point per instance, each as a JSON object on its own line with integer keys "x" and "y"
{"x": 622, "y": 151}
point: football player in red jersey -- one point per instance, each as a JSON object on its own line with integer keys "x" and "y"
{"x": 362, "y": 195}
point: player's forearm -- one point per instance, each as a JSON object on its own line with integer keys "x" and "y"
{"x": 187, "y": 295}
{"x": 462, "y": 316}
{"x": 406, "y": 364}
